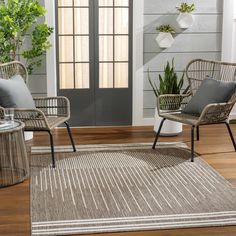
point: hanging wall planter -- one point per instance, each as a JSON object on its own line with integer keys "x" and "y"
{"x": 185, "y": 18}
{"x": 164, "y": 38}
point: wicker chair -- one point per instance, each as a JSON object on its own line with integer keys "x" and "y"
{"x": 49, "y": 113}
{"x": 170, "y": 106}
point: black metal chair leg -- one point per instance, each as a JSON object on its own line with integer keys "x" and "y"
{"x": 158, "y": 133}
{"x": 70, "y": 135}
{"x": 198, "y": 133}
{"x": 231, "y": 135}
{"x": 192, "y": 143}
{"x": 52, "y": 148}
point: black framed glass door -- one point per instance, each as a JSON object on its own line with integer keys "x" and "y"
{"x": 94, "y": 60}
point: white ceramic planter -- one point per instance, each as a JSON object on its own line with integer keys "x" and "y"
{"x": 28, "y": 135}
{"x": 170, "y": 128}
{"x": 164, "y": 40}
{"x": 185, "y": 20}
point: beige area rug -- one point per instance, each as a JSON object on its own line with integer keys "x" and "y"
{"x": 114, "y": 188}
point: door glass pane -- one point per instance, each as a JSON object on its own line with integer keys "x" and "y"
{"x": 66, "y": 49}
{"x": 82, "y": 75}
{"x": 105, "y": 3}
{"x": 106, "y": 75}
{"x": 121, "y": 21}
{"x": 122, "y": 3}
{"x": 81, "y": 3}
{"x": 65, "y": 18}
{"x": 64, "y": 3}
{"x": 81, "y": 48}
{"x": 81, "y": 20}
{"x": 66, "y": 76}
{"x": 105, "y": 21}
{"x": 121, "y": 48}
{"x": 106, "y": 48}
{"x": 121, "y": 75}
{"x": 113, "y": 46}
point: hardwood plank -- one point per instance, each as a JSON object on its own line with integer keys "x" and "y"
{"x": 214, "y": 146}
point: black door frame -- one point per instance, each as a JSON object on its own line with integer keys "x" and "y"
{"x": 94, "y": 60}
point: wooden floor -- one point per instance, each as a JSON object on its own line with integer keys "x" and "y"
{"x": 214, "y": 146}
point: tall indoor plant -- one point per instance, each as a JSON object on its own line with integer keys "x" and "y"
{"x": 19, "y": 22}
{"x": 168, "y": 83}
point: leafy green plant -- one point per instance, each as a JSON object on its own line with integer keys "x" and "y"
{"x": 18, "y": 23}
{"x": 168, "y": 83}
{"x": 186, "y": 8}
{"x": 166, "y": 29}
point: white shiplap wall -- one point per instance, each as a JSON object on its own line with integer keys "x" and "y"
{"x": 37, "y": 82}
{"x": 201, "y": 40}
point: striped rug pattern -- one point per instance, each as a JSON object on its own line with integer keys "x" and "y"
{"x": 113, "y": 188}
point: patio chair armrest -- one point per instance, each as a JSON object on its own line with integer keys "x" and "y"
{"x": 53, "y": 106}
{"x": 34, "y": 119}
{"x": 172, "y": 102}
{"x": 216, "y": 113}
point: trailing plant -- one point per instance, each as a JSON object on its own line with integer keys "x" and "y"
{"x": 169, "y": 82}
{"x": 166, "y": 29}
{"x": 18, "y": 23}
{"x": 186, "y": 8}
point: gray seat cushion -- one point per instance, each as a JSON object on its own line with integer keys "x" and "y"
{"x": 14, "y": 93}
{"x": 210, "y": 91}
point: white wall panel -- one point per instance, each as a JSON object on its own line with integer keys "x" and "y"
{"x": 185, "y": 43}
{"x": 37, "y": 82}
{"x": 202, "y": 23}
{"x": 168, "y": 6}
{"x": 157, "y": 61}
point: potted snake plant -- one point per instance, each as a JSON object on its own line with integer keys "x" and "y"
{"x": 168, "y": 84}
{"x": 185, "y": 18}
{"x": 164, "y": 38}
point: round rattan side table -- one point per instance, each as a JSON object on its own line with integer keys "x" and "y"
{"x": 14, "y": 166}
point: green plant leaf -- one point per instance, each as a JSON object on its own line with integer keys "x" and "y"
{"x": 17, "y": 19}
{"x": 169, "y": 83}
{"x": 166, "y": 29}
{"x": 186, "y": 8}
{"x": 181, "y": 83}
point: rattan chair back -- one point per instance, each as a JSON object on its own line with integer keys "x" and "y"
{"x": 199, "y": 69}
{"x": 7, "y": 70}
